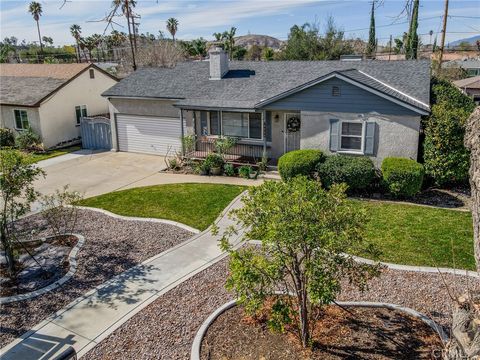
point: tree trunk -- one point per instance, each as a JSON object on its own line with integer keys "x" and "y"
{"x": 303, "y": 313}
{"x": 8, "y": 249}
{"x": 472, "y": 142}
{"x": 127, "y": 7}
{"x": 40, "y": 39}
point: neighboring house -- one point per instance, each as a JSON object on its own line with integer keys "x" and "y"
{"x": 353, "y": 107}
{"x": 470, "y": 87}
{"x": 471, "y": 66}
{"x": 51, "y": 98}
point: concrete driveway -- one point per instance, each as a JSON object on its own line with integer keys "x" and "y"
{"x": 95, "y": 173}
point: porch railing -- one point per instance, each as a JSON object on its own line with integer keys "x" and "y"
{"x": 240, "y": 152}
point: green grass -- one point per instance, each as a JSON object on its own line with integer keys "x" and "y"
{"x": 36, "y": 157}
{"x": 197, "y": 205}
{"x": 417, "y": 235}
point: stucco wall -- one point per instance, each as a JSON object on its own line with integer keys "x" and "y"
{"x": 57, "y": 114}
{"x": 395, "y": 135}
{"x": 147, "y": 107}
{"x": 7, "y": 118}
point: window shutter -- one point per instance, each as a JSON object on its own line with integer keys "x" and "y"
{"x": 334, "y": 134}
{"x": 370, "y": 128}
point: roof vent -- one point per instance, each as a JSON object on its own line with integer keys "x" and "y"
{"x": 218, "y": 63}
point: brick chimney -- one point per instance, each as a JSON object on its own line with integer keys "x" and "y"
{"x": 218, "y": 63}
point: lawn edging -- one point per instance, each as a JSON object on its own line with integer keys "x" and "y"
{"x": 197, "y": 341}
{"x": 72, "y": 260}
{"x": 414, "y": 268}
{"x": 133, "y": 218}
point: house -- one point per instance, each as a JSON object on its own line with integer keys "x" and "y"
{"x": 470, "y": 87}
{"x": 353, "y": 107}
{"x": 51, "y": 98}
{"x": 471, "y": 66}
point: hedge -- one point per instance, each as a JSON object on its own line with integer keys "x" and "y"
{"x": 299, "y": 162}
{"x": 402, "y": 177}
{"x": 7, "y": 139}
{"x": 357, "y": 172}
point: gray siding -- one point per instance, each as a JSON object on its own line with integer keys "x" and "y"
{"x": 352, "y": 99}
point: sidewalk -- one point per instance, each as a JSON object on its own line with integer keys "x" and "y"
{"x": 91, "y": 318}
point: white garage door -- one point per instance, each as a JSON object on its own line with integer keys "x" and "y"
{"x": 145, "y": 134}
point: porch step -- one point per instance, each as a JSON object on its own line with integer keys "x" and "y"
{"x": 272, "y": 175}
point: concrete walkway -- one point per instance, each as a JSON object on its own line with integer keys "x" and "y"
{"x": 91, "y": 318}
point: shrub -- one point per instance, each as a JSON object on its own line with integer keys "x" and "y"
{"x": 445, "y": 156}
{"x": 357, "y": 172}
{"x": 27, "y": 140}
{"x": 299, "y": 162}
{"x": 245, "y": 171}
{"x": 229, "y": 170}
{"x": 402, "y": 177}
{"x": 6, "y": 138}
{"x": 214, "y": 161}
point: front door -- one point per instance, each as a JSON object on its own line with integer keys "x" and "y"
{"x": 292, "y": 131}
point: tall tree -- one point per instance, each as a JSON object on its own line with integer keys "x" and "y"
{"x": 76, "y": 32}
{"x": 371, "y": 47}
{"x": 411, "y": 47}
{"x": 126, "y": 7}
{"x": 229, "y": 40}
{"x": 172, "y": 27}
{"x": 35, "y": 9}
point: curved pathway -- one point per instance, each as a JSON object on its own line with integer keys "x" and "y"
{"x": 89, "y": 319}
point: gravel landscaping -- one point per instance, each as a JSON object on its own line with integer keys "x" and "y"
{"x": 111, "y": 247}
{"x": 166, "y": 328}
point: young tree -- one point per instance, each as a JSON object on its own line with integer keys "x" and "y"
{"x": 372, "y": 42}
{"x": 172, "y": 27}
{"x": 305, "y": 232}
{"x": 35, "y": 9}
{"x": 17, "y": 193}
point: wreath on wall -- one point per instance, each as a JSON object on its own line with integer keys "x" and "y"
{"x": 293, "y": 124}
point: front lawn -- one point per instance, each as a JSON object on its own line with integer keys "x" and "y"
{"x": 36, "y": 157}
{"x": 417, "y": 235}
{"x": 197, "y": 205}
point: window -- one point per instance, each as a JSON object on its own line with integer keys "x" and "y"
{"x": 80, "y": 111}
{"x": 214, "y": 123}
{"x": 335, "y": 90}
{"x": 21, "y": 119}
{"x": 235, "y": 124}
{"x": 255, "y": 120}
{"x": 351, "y": 136}
{"x": 92, "y": 74}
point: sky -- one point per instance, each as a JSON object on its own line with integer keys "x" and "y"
{"x": 266, "y": 17}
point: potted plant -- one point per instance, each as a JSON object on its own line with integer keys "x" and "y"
{"x": 215, "y": 162}
{"x": 203, "y": 168}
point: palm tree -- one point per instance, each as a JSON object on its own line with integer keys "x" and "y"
{"x": 127, "y": 10}
{"x": 36, "y": 10}
{"x": 172, "y": 27}
{"x": 218, "y": 36}
{"x": 76, "y": 32}
{"x": 199, "y": 47}
{"x": 229, "y": 38}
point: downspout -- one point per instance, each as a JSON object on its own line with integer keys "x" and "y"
{"x": 182, "y": 132}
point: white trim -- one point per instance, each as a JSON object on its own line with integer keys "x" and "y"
{"x": 395, "y": 89}
{"x": 265, "y": 102}
{"x": 142, "y": 98}
{"x": 362, "y": 137}
{"x": 15, "y": 119}
{"x": 248, "y": 138}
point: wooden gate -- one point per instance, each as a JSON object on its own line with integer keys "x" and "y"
{"x": 96, "y": 133}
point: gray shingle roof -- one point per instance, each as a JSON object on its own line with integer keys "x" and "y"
{"x": 27, "y": 91}
{"x": 249, "y": 83}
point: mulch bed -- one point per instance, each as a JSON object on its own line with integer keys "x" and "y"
{"x": 166, "y": 328}
{"x": 111, "y": 247}
{"x": 48, "y": 264}
{"x": 458, "y": 198}
{"x": 359, "y": 333}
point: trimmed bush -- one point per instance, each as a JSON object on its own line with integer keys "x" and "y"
{"x": 357, "y": 172}
{"x": 299, "y": 162}
{"x": 214, "y": 160}
{"x": 402, "y": 177}
{"x": 6, "y": 138}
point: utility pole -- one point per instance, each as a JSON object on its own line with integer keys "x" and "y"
{"x": 444, "y": 31}
{"x": 390, "y": 51}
